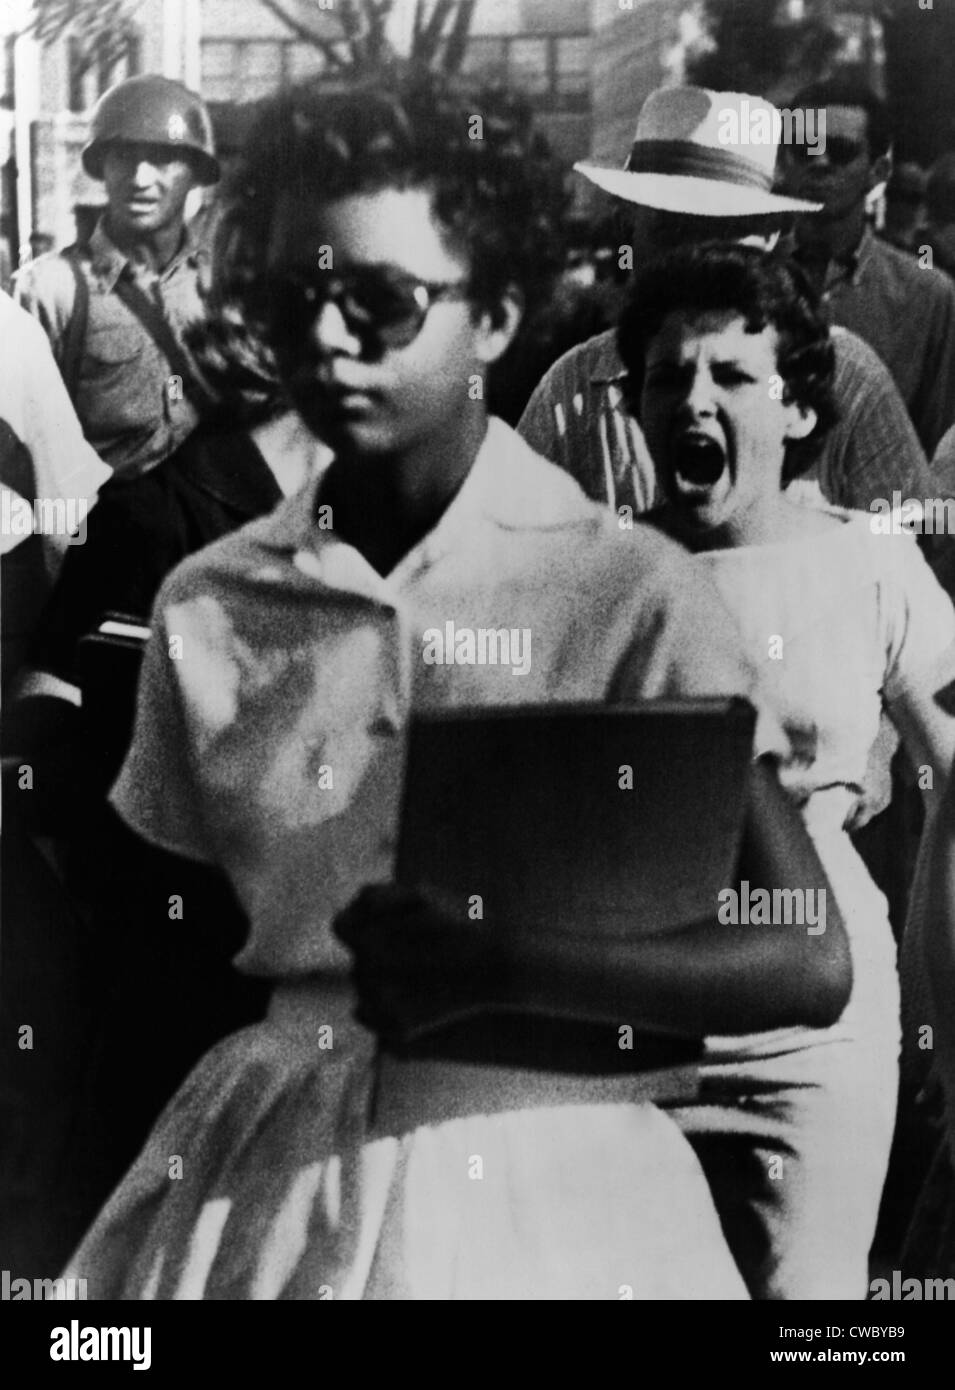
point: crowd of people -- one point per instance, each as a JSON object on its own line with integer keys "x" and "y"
{"x": 284, "y": 423}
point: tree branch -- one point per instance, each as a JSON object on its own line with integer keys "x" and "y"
{"x": 458, "y": 38}
{"x": 100, "y": 30}
{"x": 377, "y": 15}
{"x": 430, "y": 36}
{"x": 417, "y": 24}
{"x": 103, "y": 20}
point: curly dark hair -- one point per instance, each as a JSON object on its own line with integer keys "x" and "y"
{"x": 496, "y": 189}
{"x": 763, "y": 288}
{"x": 235, "y": 364}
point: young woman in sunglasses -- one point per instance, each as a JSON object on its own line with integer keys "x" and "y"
{"x": 386, "y": 251}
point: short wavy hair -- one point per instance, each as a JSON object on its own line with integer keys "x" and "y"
{"x": 496, "y": 189}
{"x": 848, "y": 87}
{"x": 764, "y": 289}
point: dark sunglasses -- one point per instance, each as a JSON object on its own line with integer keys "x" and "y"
{"x": 838, "y": 150}
{"x": 384, "y": 308}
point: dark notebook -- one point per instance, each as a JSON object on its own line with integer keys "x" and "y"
{"x": 607, "y": 821}
{"x": 573, "y": 821}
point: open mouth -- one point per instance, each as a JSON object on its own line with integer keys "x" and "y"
{"x": 697, "y": 460}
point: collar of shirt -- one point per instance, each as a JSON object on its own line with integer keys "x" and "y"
{"x": 509, "y": 486}
{"x": 607, "y": 365}
{"x": 109, "y": 262}
{"x": 851, "y": 268}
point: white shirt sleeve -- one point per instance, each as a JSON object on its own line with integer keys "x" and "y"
{"x": 35, "y": 404}
{"x": 918, "y": 621}
{"x": 156, "y": 793}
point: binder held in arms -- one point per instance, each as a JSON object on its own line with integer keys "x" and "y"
{"x": 578, "y": 820}
{"x": 573, "y": 822}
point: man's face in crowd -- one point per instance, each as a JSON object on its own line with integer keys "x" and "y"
{"x": 370, "y": 371}
{"x": 146, "y": 186}
{"x": 840, "y": 176}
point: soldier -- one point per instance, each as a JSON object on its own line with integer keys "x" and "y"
{"x": 115, "y": 309}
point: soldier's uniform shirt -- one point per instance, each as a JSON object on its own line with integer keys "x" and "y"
{"x": 128, "y": 402}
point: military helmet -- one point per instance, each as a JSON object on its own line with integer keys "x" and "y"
{"x": 152, "y": 110}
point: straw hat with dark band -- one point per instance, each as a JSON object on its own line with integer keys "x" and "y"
{"x": 704, "y": 153}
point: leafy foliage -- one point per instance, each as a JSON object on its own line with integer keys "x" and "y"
{"x": 756, "y": 46}
{"x": 101, "y": 28}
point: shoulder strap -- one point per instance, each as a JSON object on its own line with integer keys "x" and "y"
{"x": 151, "y": 316}
{"x": 74, "y": 340}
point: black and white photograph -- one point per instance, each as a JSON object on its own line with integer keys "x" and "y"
{"x": 478, "y": 662}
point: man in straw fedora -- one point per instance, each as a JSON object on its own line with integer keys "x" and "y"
{"x": 685, "y": 181}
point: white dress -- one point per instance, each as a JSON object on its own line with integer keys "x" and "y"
{"x": 841, "y": 624}
{"x": 268, "y": 739}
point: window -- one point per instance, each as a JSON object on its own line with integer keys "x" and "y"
{"x": 304, "y": 60}
{"x": 551, "y": 70}
{"x": 218, "y": 61}
{"x": 528, "y": 68}
{"x": 572, "y": 67}
{"x": 249, "y": 69}
{"x": 486, "y": 60}
{"x": 261, "y": 69}
{"x": 91, "y": 72}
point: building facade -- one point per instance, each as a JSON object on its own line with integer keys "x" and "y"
{"x": 235, "y": 52}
